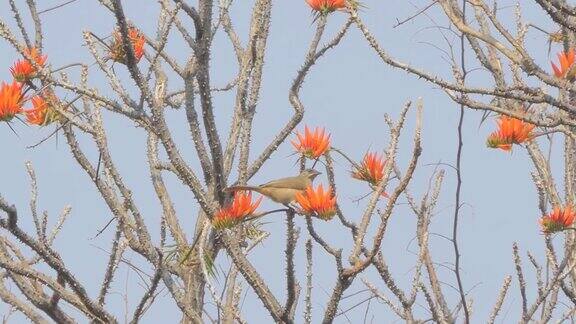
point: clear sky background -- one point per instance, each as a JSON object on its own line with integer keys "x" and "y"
{"x": 348, "y": 92}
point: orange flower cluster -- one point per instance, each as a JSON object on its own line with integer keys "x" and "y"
{"x": 11, "y": 99}
{"x": 12, "y": 96}
{"x": 326, "y": 6}
{"x": 510, "y": 131}
{"x": 371, "y": 170}
{"x": 566, "y": 60}
{"x": 23, "y": 70}
{"x": 240, "y": 207}
{"x": 42, "y": 113}
{"x": 137, "y": 39}
{"x": 317, "y": 202}
{"x": 312, "y": 144}
{"x": 558, "y": 220}
{"x": 37, "y": 115}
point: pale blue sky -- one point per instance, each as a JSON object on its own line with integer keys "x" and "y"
{"x": 348, "y": 92}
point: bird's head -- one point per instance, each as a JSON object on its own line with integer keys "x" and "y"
{"x": 310, "y": 173}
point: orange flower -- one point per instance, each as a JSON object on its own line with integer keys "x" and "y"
{"x": 37, "y": 115}
{"x": 240, "y": 207}
{"x": 371, "y": 170}
{"x": 558, "y": 220}
{"x": 43, "y": 112}
{"x": 23, "y": 70}
{"x": 317, "y": 202}
{"x": 312, "y": 145}
{"x": 510, "y": 131}
{"x": 566, "y": 61}
{"x": 326, "y": 6}
{"x": 117, "y": 49}
{"x": 11, "y": 98}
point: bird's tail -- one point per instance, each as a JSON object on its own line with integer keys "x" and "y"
{"x": 239, "y": 188}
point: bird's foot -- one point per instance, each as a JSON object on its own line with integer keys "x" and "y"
{"x": 291, "y": 208}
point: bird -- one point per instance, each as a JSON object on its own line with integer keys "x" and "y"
{"x": 282, "y": 190}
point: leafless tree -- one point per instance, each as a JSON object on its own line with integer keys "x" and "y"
{"x": 47, "y": 290}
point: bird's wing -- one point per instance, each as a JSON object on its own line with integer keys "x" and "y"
{"x": 239, "y": 188}
{"x": 296, "y": 182}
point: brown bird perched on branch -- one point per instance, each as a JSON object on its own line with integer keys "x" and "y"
{"x": 282, "y": 190}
